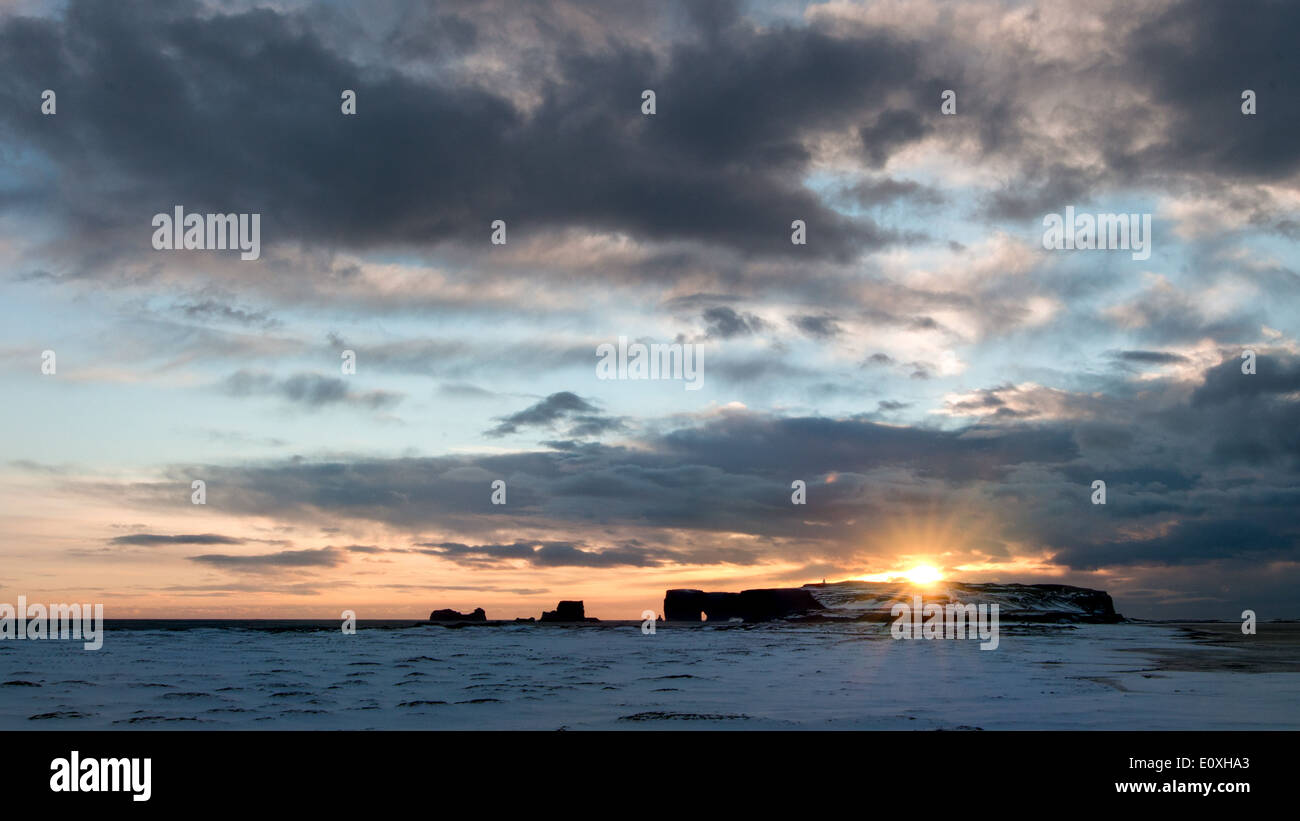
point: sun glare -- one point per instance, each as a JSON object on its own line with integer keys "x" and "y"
{"x": 923, "y": 574}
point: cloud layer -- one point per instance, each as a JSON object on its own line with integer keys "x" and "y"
{"x": 947, "y": 389}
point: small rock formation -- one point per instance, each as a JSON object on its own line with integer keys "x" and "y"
{"x": 567, "y": 611}
{"x": 453, "y": 615}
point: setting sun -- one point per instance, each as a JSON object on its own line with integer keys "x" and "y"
{"x": 923, "y": 574}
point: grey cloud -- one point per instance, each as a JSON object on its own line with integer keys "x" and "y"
{"x": 583, "y": 417}
{"x": 725, "y": 323}
{"x": 887, "y": 191}
{"x": 1275, "y": 374}
{"x": 210, "y": 309}
{"x": 1192, "y": 542}
{"x": 891, "y": 130}
{"x": 713, "y": 166}
{"x": 1196, "y": 57}
{"x": 731, "y": 474}
{"x": 151, "y": 539}
{"x": 308, "y": 390}
{"x": 323, "y": 557}
{"x": 1150, "y": 357}
{"x": 821, "y": 326}
{"x": 552, "y": 554}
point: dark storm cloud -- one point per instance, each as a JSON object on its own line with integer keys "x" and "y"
{"x": 1256, "y": 413}
{"x": 1188, "y": 543}
{"x": 1196, "y": 58}
{"x": 1275, "y": 374}
{"x": 1134, "y": 478}
{"x": 240, "y": 111}
{"x": 1176, "y": 494}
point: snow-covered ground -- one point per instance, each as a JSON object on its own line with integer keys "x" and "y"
{"x": 837, "y": 676}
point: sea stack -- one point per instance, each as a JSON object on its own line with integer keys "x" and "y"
{"x": 453, "y": 615}
{"x": 567, "y": 611}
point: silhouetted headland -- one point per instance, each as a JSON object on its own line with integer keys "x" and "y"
{"x": 846, "y": 601}
{"x": 453, "y": 615}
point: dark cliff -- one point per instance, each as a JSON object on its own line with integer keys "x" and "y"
{"x": 872, "y": 601}
{"x": 747, "y": 605}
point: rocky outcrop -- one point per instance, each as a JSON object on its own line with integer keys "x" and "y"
{"x": 567, "y": 611}
{"x": 687, "y": 605}
{"x": 747, "y": 605}
{"x": 453, "y": 615}
{"x": 873, "y": 601}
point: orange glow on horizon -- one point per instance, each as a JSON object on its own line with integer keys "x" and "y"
{"x": 922, "y": 574}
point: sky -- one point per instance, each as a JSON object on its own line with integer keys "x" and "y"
{"x": 947, "y": 388}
